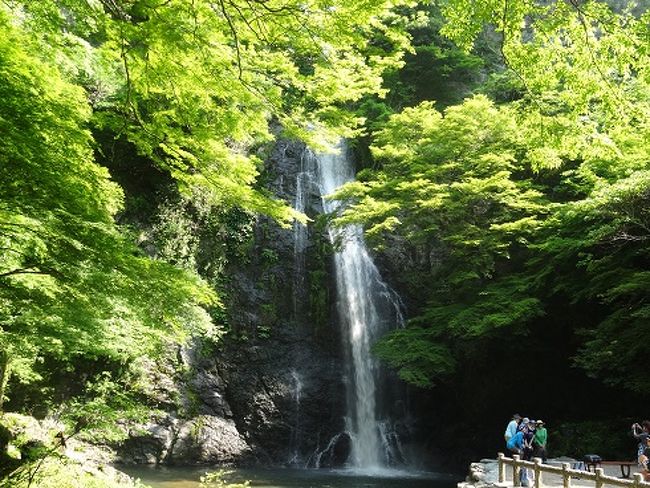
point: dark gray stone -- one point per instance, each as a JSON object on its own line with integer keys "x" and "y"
{"x": 208, "y": 440}
{"x": 273, "y": 392}
{"x": 204, "y": 439}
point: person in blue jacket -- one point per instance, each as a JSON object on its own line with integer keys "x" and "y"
{"x": 516, "y": 446}
{"x": 516, "y": 443}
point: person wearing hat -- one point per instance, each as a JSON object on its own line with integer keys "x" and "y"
{"x": 539, "y": 441}
{"x": 529, "y": 435}
{"x": 527, "y": 476}
{"x": 523, "y": 425}
{"x": 512, "y": 428}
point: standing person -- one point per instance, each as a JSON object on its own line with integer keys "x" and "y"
{"x": 539, "y": 441}
{"x": 641, "y": 433}
{"x": 528, "y": 431}
{"x": 644, "y": 460}
{"x": 529, "y": 434}
{"x": 512, "y": 427}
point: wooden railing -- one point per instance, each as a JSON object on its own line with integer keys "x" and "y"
{"x": 565, "y": 471}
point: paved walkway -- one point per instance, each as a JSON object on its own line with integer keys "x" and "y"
{"x": 551, "y": 479}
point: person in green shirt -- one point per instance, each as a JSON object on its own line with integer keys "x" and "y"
{"x": 540, "y": 440}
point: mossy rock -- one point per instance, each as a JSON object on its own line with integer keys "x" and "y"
{"x": 24, "y": 429}
{"x": 5, "y": 438}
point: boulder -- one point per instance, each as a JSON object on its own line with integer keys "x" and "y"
{"x": 483, "y": 474}
{"x": 208, "y": 440}
{"x": 204, "y": 439}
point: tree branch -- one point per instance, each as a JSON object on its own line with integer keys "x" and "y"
{"x": 506, "y": 62}
{"x": 233, "y": 31}
{"x": 27, "y": 270}
{"x": 581, "y": 18}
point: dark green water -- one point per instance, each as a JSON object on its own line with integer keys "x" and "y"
{"x": 292, "y": 478}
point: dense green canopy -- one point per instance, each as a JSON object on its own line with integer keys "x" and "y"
{"x": 194, "y": 84}
{"x": 527, "y": 203}
{"x": 193, "y": 87}
{"x": 507, "y": 150}
{"x": 72, "y": 283}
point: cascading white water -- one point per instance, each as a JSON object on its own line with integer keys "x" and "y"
{"x": 296, "y": 393}
{"x": 367, "y": 309}
{"x": 299, "y": 240}
{"x": 304, "y": 182}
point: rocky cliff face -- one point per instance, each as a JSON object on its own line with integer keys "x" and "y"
{"x": 283, "y": 382}
{"x": 271, "y": 392}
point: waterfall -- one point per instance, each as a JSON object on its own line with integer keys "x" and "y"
{"x": 367, "y": 309}
{"x": 294, "y": 447}
{"x": 304, "y": 182}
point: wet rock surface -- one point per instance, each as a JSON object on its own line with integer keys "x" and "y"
{"x": 287, "y": 397}
{"x": 335, "y": 454}
{"x": 277, "y": 378}
{"x": 272, "y": 391}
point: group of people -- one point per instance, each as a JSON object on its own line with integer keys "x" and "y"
{"x": 526, "y": 437}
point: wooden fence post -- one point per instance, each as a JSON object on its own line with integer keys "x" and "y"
{"x": 502, "y": 467}
{"x": 566, "y": 477}
{"x": 599, "y": 477}
{"x": 538, "y": 472}
{"x": 516, "y": 481}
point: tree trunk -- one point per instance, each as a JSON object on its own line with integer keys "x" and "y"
{"x": 4, "y": 375}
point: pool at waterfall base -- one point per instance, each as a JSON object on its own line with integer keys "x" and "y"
{"x": 188, "y": 477}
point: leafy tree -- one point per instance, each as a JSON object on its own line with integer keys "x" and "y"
{"x": 603, "y": 242}
{"x": 584, "y": 70}
{"x": 435, "y": 69}
{"x": 581, "y": 67}
{"x": 449, "y": 182}
{"x": 194, "y": 84}
{"x": 72, "y": 283}
{"x": 538, "y": 201}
